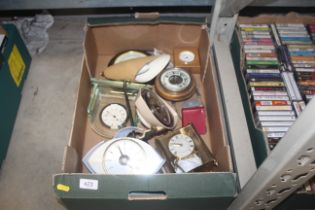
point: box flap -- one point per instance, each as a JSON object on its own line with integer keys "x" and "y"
{"x": 70, "y": 160}
{"x": 259, "y": 143}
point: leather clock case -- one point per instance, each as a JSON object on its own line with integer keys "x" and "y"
{"x": 195, "y": 116}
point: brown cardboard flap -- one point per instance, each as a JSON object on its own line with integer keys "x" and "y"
{"x": 164, "y": 37}
{"x": 291, "y": 17}
{"x": 223, "y": 154}
{"x": 71, "y": 160}
{"x": 219, "y": 143}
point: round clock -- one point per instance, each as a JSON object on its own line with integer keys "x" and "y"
{"x": 175, "y": 84}
{"x": 114, "y": 116}
{"x": 186, "y": 56}
{"x": 181, "y": 145}
{"x": 125, "y": 156}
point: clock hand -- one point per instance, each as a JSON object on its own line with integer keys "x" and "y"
{"x": 177, "y": 144}
{"x": 120, "y": 151}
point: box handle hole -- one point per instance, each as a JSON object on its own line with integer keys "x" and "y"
{"x": 258, "y": 202}
{"x": 285, "y": 177}
{"x": 147, "y": 195}
{"x": 303, "y": 160}
{"x": 300, "y": 176}
{"x": 271, "y": 201}
{"x": 284, "y": 190}
{"x": 270, "y": 192}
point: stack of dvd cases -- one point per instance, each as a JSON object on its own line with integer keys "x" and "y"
{"x": 311, "y": 29}
{"x": 301, "y": 51}
{"x": 293, "y": 34}
{"x": 303, "y": 60}
{"x": 267, "y": 89}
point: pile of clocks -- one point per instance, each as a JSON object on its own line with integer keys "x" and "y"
{"x": 127, "y": 123}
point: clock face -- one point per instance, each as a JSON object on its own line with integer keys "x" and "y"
{"x": 186, "y": 56}
{"x": 114, "y": 116}
{"x": 175, "y": 80}
{"x": 125, "y": 156}
{"x": 181, "y": 145}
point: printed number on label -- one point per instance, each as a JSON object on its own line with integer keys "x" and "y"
{"x": 88, "y": 184}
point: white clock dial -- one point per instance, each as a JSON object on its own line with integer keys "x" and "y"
{"x": 114, "y": 116}
{"x": 125, "y": 156}
{"x": 181, "y": 145}
{"x": 175, "y": 80}
{"x": 186, "y": 56}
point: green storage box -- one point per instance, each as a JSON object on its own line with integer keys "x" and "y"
{"x": 77, "y": 189}
{"x": 298, "y": 200}
{"x": 14, "y": 67}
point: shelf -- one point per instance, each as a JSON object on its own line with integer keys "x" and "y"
{"x": 79, "y": 4}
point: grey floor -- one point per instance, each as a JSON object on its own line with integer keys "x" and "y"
{"x": 43, "y": 123}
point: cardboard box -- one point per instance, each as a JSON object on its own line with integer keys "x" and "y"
{"x": 258, "y": 138}
{"x": 13, "y": 71}
{"x": 215, "y": 190}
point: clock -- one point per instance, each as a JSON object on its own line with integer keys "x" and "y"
{"x": 123, "y": 155}
{"x": 108, "y": 109}
{"x": 181, "y": 145}
{"x": 175, "y": 84}
{"x": 185, "y": 151}
{"x": 186, "y": 56}
{"x": 114, "y": 116}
